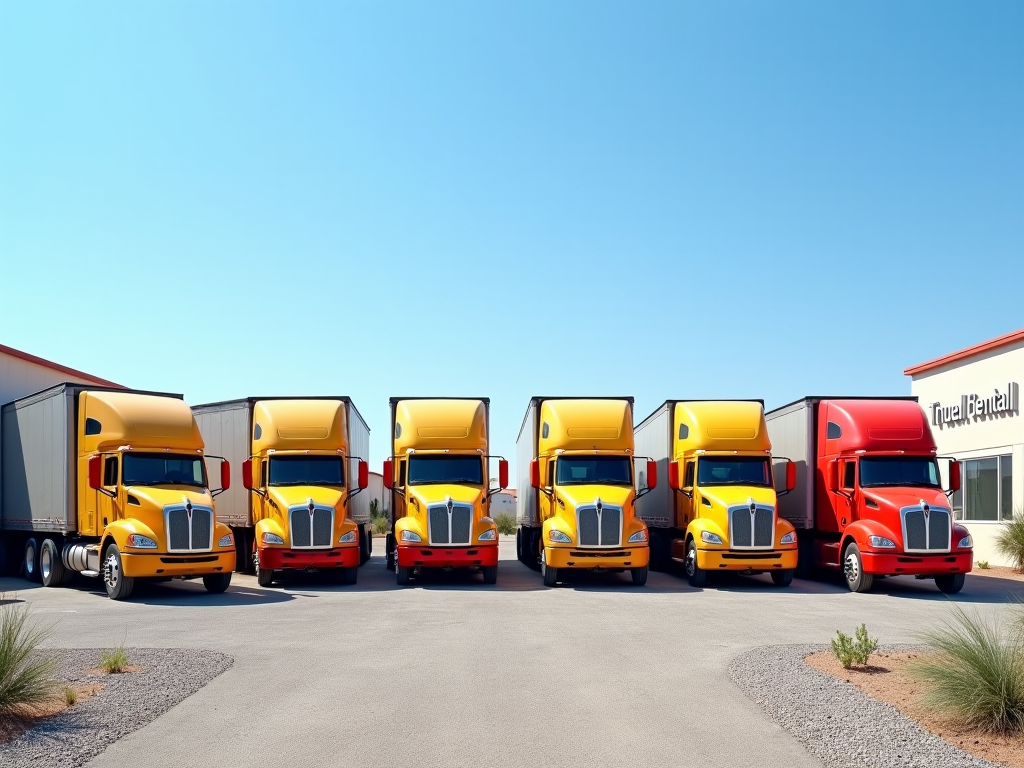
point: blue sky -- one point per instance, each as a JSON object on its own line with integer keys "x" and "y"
{"x": 663, "y": 199}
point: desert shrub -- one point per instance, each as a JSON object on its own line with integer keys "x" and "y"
{"x": 983, "y": 564}
{"x": 380, "y": 524}
{"x": 854, "y": 650}
{"x": 70, "y": 696}
{"x": 976, "y": 672}
{"x": 506, "y": 523}
{"x": 1010, "y": 541}
{"x": 25, "y": 673}
{"x": 114, "y": 661}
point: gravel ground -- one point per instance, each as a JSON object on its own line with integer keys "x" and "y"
{"x": 835, "y": 721}
{"x": 126, "y": 703}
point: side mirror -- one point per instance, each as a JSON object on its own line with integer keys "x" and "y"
{"x": 652, "y": 474}
{"x": 535, "y": 474}
{"x": 673, "y": 475}
{"x": 389, "y": 474}
{"x": 790, "y": 475}
{"x": 954, "y": 475}
{"x": 502, "y": 474}
{"x": 833, "y": 475}
{"x": 246, "y": 474}
{"x": 364, "y": 475}
{"x": 95, "y": 472}
{"x": 225, "y": 475}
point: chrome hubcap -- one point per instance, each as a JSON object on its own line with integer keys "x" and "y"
{"x": 691, "y": 562}
{"x": 30, "y": 560}
{"x": 111, "y": 572}
{"x": 851, "y": 567}
{"x": 45, "y": 564}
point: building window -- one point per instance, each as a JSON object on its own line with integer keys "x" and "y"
{"x": 987, "y": 493}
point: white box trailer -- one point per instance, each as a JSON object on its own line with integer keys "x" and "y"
{"x": 653, "y": 438}
{"x": 227, "y": 429}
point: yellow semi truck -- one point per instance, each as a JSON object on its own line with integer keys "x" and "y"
{"x": 575, "y": 501}
{"x": 111, "y": 484}
{"x": 718, "y": 511}
{"x": 438, "y": 475}
{"x": 298, "y": 506}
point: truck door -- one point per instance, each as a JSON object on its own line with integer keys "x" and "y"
{"x": 845, "y": 501}
{"x": 108, "y": 507}
{"x": 546, "y": 501}
{"x": 399, "y": 495}
{"x": 686, "y": 509}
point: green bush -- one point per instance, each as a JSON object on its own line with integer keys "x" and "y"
{"x": 380, "y": 524}
{"x": 25, "y": 674}
{"x": 983, "y": 564}
{"x": 855, "y": 650}
{"x": 1010, "y": 541}
{"x": 976, "y": 672}
{"x": 506, "y": 523}
{"x": 115, "y": 661}
{"x": 70, "y": 696}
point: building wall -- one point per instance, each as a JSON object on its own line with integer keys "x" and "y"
{"x": 21, "y": 377}
{"x": 503, "y": 503}
{"x": 971, "y": 436}
{"x": 376, "y": 490}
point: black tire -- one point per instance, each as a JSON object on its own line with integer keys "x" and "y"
{"x": 950, "y": 583}
{"x": 264, "y": 577}
{"x": 696, "y": 575}
{"x": 532, "y": 549}
{"x": 119, "y": 586}
{"x": 853, "y": 570}
{"x": 389, "y": 552}
{"x": 216, "y": 583}
{"x": 364, "y": 546}
{"x": 30, "y": 560}
{"x": 348, "y": 576}
{"x": 519, "y": 545}
{"x": 661, "y": 550}
{"x": 639, "y": 576}
{"x": 782, "y": 578}
{"x": 549, "y": 574}
{"x": 52, "y": 572}
{"x": 490, "y": 574}
{"x": 403, "y": 574}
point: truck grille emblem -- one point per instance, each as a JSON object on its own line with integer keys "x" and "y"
{"x": 311, "y": 507}
{"x": 448, "y": 503}
{"x": 188, "y": 508}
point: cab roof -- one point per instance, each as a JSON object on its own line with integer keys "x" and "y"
{"x": 719, "y": 425}
{"x": 438, "y": 424}
{"x": 878, "y": 425}
{"x": 109, "y": 419}
{"x": 312, "y": 424}
{"x": 585, "y": 424}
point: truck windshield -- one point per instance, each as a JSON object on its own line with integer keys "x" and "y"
{"x": 594, "y": 470}
{"x": 163, "y": 469}
{"x": 306, "y": 470}
{"x": 432, "y": 470}
{"x": 734, "y": 470}
{"x": 899, "y": 470}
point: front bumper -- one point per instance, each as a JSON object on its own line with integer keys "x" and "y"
{"x": 746, "y": 560}
{"x": 584, "y": 559}
{"x": 893, "y": 563}
{"x": 280, "y": 558}
{"x": 185, "y": 564}
{"x": 448, "y": 557}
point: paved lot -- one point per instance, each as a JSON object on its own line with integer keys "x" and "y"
{"x": 454, "y": 673}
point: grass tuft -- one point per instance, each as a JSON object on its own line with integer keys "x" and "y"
{"x": 976, "y": 672}
{"x": 854, "y": 650}
{"x": 70, "y": 696}
{"x": 26, "y": 680}
{"x": 506, "y": 523}
{"x": 115, "y": 661}
{"x": 1010, "y": 541}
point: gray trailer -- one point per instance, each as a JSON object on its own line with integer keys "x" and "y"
{"x": 653, "y": 438}
{"x": 227, "y": 429}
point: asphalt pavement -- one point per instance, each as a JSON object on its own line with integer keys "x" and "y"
{"x": 450, "y": 672}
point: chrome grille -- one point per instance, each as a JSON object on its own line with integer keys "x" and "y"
{"x": 455, "y": 527}
{"x": 926, "y": 533}
{"x": 462, "y": 523}
{"x": 602, "y": 529}
{"x": 187, "y": 533}
{"x": 439, "y": 533}
{"x": 311, "y": 530}
{"x": 751, "y": 531}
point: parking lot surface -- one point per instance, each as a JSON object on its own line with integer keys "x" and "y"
{"x": 451, "y": 672}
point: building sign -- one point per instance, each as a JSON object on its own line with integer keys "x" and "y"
{"x": 975, "y": 406}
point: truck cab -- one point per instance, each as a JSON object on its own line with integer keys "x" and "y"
{"x": 440, "y": 487}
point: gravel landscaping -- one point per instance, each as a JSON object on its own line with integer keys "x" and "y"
{"x": 127, "y": 702}
{"x": 834, "y": 721}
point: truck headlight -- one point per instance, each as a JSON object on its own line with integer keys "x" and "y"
{"x": 272, "y": 538}
{"x": 347, "y": 538}
{"x": 410, "y": 536}
{"x": 487, "y": 535}
{"x": 226, "y": 541}
{"x": 881, "y": 541}
{"x": 638, "y": 537}
{"x": 789, "y": 538}
{"x": 138, "y": 541}
{"x": 710, "y": 538}
{"x": 559, "y": 537}
{"x": 966, "y": 543}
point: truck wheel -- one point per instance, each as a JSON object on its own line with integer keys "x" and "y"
{"x": 950, "y": 583}
{"x": 51, "y": 568}
{"x": 782, "y": 578}
{"x": 639, "y": 576}
{"x": 403, "y": 574}
{"x": 389, "y": 552}
{"x": 532, "y": 548}
{"x": 490, "y": 574}
{"x": 549, "y": 574}
{"x": 30, "y": 561}
{"x": 216, "y": 583}
{"x": 264, "y": 577}
{"x": 853, "y": 570}
{"x": 519, "y": 545}
{"x": 697, "y": 576}
{"x": 119, "y": 586}
{"x": 364, "y": 546}
{"x": 347, "y": 575}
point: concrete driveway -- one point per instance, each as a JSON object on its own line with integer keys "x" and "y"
{"x": 454, "y": 673}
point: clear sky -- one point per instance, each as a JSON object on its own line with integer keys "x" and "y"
{"x": 662, "y": 199}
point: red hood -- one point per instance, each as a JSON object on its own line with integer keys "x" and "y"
{"x": 897, "y": 497}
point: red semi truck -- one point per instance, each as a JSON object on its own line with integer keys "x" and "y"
{"x": 869, "y": 498}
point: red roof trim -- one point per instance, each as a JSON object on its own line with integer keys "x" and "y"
{"x": 57, "y": 367}
{"x": 985, "y": 346}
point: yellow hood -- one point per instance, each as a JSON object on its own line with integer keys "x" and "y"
{"x": 581, "y": 495}
{"x": 294, "y": 495}
{"x": 437, "y": 494}
{"x": 732, "y": 495}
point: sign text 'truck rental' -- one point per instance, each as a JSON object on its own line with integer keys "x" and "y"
{"x": 974, "y": 406}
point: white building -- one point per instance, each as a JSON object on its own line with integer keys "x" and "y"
{"x": 504, "y": 502}
{"x": 972, "y": 399}
{"x": 23, "y": 374}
